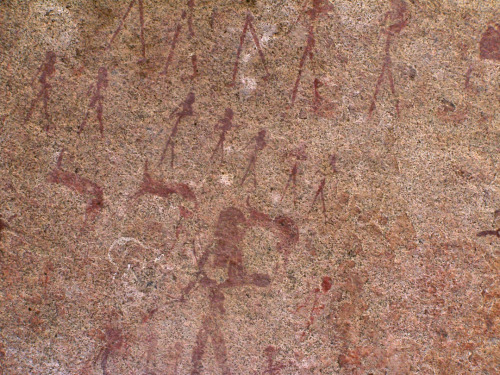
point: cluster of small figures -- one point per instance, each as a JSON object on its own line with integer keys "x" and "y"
{"x": 394, "y": 20}
{"x": 232, "y": 223}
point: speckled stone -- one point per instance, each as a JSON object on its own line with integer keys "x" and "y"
{"x": 249, "y": 187}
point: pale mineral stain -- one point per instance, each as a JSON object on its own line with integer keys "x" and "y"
{"x": 249, "y": 85}
{"x": 226, "y": 179}
{"x": 53, "y": 23}
{"x": 267, "y": 33}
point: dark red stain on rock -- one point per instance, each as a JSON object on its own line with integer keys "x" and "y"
{"x": 326, "y": 283}
{"x": 489, "y": 46}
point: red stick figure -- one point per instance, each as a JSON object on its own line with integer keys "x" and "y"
{"x": 173, "y": 44}
{"x": 141, "y": 20}
{"x": 260, "y": 144}
{"x": 79, "y": 184}
{"x": 316, "y": 308}
{"x": 248, "y": 26}
{"x": 320, "y": 106}
{"x": 333, "y": 162}
{"x": 300, "y": 155}
{"x": 318, "y": 7}
{"x": 398, "y": 19}
{"x": 225, "y": 124}
{"x": 320, "y": 191}
{"x": 47, "y": 70}
{"x": 187, "y": 110}
{"x": 96, "y": 100}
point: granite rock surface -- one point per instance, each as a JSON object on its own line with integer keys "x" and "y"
{"x": 249, "y": 187}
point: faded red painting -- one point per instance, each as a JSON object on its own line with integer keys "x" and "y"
{"x": 249, "y": 187}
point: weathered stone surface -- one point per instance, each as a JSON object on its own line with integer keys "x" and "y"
{"x": 249, "y": 187}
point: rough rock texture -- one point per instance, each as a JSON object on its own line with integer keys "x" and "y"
{"x": 249, "y": 187}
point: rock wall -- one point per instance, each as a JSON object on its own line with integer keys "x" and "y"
{"x": 249, "y": 187}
